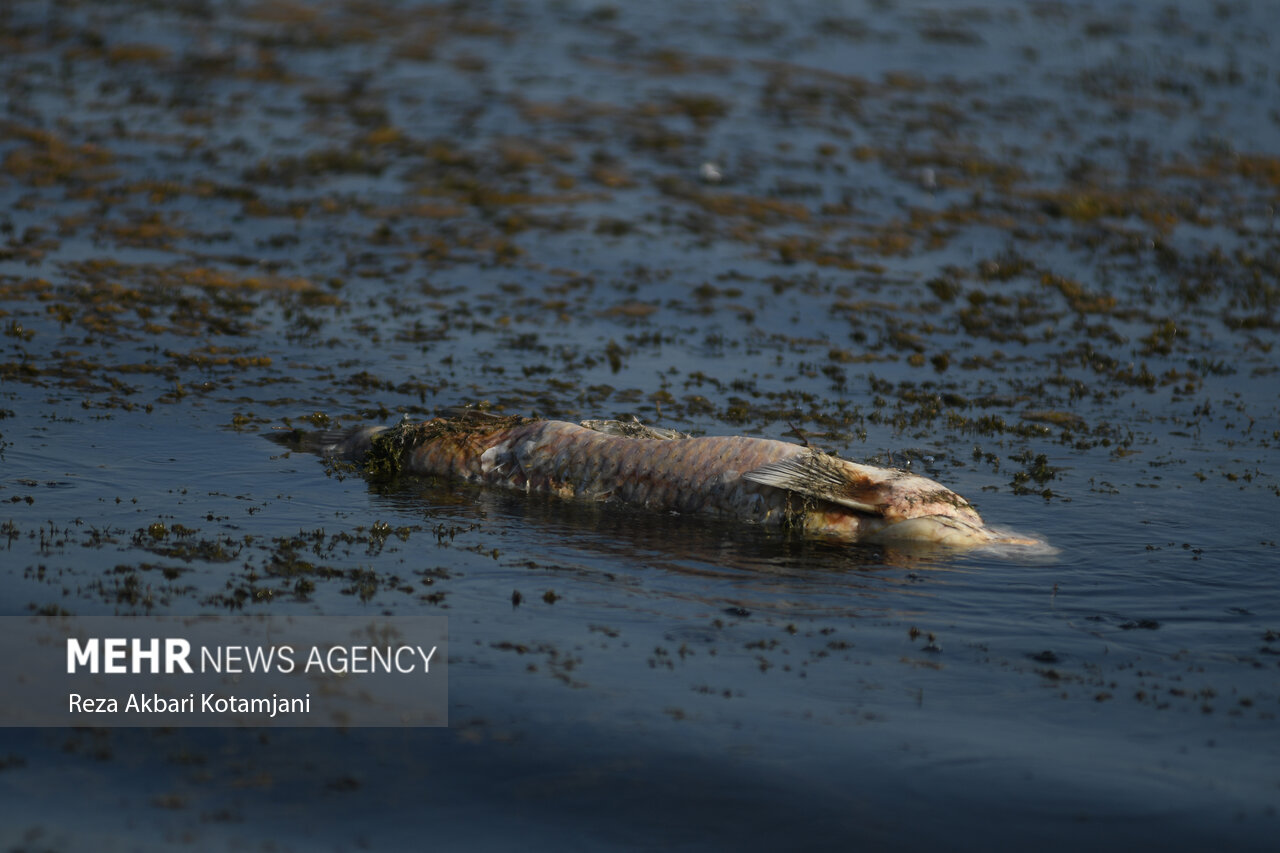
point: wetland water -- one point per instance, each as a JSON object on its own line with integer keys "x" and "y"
{"x": 1029, "y": 249}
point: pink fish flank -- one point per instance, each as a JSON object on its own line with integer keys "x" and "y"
{"x": 753, "y": 479}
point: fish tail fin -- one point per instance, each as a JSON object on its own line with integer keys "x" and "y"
{"x": 351, "y": 443}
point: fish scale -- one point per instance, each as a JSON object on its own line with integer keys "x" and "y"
{"x": 694, "y": 475}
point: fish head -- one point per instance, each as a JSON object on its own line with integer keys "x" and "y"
{"x": 943, "y": 530}
{"x": 884, "y": 493}
{"x": 951, "y": 533}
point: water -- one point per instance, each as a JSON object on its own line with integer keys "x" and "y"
{"x": 1029, "y": 249}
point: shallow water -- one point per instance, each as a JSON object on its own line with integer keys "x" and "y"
{"x": 1028, "y": 249}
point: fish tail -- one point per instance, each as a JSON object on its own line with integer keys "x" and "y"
{"x": 351, "y": 443}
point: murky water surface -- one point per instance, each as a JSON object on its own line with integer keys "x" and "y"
{"x": 1030, "y": 249}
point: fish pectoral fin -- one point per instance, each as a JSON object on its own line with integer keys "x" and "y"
{"x": 818, "y": 475}
{"x": 499, "y": 461}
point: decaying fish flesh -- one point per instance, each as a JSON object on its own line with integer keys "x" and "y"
{"x": 753, "y": 479}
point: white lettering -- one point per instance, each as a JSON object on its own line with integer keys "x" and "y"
{"x": 122, "y": 656}
{"x": 82, "y": 655}
{"x": 176, "y": 651}
{"x": 258, "y": 660}
{"x": 91, "y": 704}
{"x": 212, "y": 703}
{"x": 115, "y": 651}
{"x": 150, "y": 653}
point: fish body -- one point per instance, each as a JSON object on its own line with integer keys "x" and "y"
{"x": 758, "y": 480}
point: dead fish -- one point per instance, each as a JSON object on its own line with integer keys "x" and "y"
{"x": 756, "y": 480}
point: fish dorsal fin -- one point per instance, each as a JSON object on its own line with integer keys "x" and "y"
{"x": 634, "y": 429}
{"x": 818, "y": 475}
{"x": 465, "y": 414}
